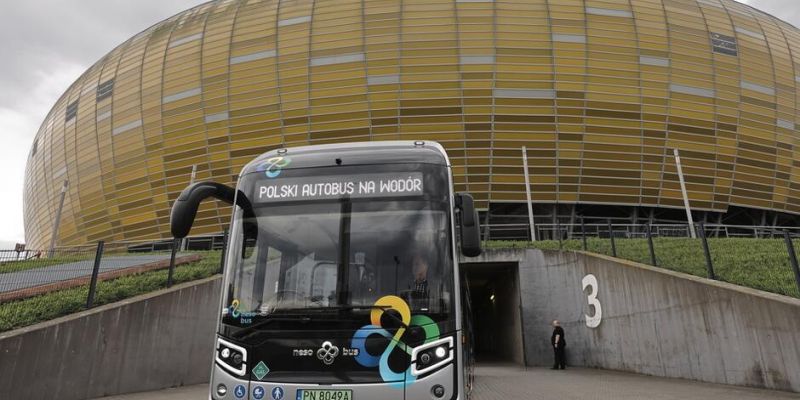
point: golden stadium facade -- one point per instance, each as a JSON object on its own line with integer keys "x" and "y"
{"x": 599, "y": 91}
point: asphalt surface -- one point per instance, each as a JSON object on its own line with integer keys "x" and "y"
{"x": 495, "y": 382}
{"x": 61, "y": 272}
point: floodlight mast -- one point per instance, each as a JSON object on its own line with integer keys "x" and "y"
{"x": 528, "y": 193}
{"x": 683, "y": 192}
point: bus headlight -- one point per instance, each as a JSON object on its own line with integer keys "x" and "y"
{"x": 232, "y": 357}
{"x": 430, "y": 356}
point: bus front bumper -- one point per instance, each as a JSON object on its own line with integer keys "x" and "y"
{"x": 420, "y": 389}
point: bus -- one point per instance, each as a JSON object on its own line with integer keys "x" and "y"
{"x": 341, "y": 277}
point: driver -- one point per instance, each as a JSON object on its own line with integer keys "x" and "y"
{"x": 418, "y": 288}
{"x": 420, "y": 273}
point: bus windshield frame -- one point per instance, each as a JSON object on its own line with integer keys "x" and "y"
{"x": 330, "y": 255}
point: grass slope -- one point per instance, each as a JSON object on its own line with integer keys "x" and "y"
{"x": 756, "y": 263}
{"x": 26, "y": 312}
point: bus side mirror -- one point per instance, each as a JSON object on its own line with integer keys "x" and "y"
{"x": 185, "y": 207}
{"x": 470, "y": 229}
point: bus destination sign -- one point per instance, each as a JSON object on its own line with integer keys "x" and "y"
{"x": 335, "y": 187}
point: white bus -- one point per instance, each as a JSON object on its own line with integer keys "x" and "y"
{"x": 341, "y": 275}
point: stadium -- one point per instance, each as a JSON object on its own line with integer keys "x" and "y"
{"x": 599, "y": 92}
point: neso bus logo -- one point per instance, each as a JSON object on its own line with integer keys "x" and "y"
{"x": 342, "y": 351}
{"x": 273, "y": 166}
{"x": 327, "y": 353}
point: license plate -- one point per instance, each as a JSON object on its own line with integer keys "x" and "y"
{"x": 324, "y": 394}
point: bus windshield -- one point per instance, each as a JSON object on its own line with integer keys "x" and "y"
{"x": 338, "y": 249}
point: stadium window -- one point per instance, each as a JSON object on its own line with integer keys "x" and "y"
{"x": 105, "y": 89}
{"x": 724, "y": 44}
{"x": 72, "y": 110}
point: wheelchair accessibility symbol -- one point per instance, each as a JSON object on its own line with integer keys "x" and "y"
{"x": 239, "y": 391}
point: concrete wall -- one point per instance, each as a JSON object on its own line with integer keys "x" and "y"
{"x": 657, "y": 322}
{"x": 653, "y": 321}
{"x": 159, "y": 340}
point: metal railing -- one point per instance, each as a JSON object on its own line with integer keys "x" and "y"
{"x": 31, "y": 273}
{"x": 80, "y": 272}
{"x": 14, "y": 255}
{"x": 766, "y": 252}
{"x": 521, "y": 231}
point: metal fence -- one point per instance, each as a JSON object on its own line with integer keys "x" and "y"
{"x": 755, "y": 256}
{"x": 761, "y": 257}
{"x": 14, "y": 255}
{"x": 79, "y": 273}
{"x": 521, "y": 231}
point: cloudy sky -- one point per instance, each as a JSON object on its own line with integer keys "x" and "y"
{"x": 46, "y": 44}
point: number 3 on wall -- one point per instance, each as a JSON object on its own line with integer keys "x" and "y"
{"x": 594, "y": 320}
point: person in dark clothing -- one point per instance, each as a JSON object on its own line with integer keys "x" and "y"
{"x": 417, "y": 293}
{"x": 420, "y": 271}
{"x": 559, "y": 343}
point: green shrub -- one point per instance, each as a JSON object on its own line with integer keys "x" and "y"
{"x": 757, "y": 263}
{"x": 29, "y": 311}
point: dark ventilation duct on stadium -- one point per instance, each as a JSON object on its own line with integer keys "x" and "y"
{"x": 105, "y": 89}
{"x": 72, "y": 111}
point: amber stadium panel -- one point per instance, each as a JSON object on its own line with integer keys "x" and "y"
{"x": 600, "y": 92}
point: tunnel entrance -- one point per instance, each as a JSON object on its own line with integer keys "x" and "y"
{"x": 496, "y": 313}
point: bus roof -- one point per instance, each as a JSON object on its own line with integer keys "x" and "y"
{"x": 358, "y": 153}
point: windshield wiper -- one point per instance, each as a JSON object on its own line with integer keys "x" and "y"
{"x": 372, "y": 307}
{"x": 269, "y": 319}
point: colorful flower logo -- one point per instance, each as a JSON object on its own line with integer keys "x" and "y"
{"x": 381, "y": 361}
{"x": 234, "y": 309}
{"x": 273, "y": 166}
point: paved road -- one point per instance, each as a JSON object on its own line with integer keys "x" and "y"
{"x": 54, "y": 273}
{"x": 500, "y": 382}
{"x": 503, "y": 382}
